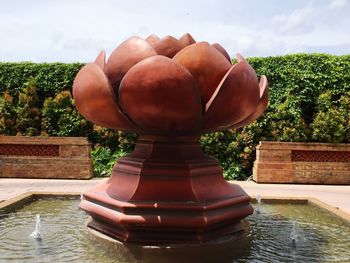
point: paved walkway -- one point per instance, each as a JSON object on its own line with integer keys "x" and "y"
{"x": 335, "y": 196}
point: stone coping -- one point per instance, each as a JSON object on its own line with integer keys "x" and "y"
{"x": 25, "y": 198}
{"x": 304, "y": 200}
{"x": 273, "y": 145}
{"x": 52, "y": 140}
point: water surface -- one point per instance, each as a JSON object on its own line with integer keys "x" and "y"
{"x": 322, "y": 237}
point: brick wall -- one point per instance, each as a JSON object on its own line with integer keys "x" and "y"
{"x": 45, "y": 157}
{"x": 305, "y": 163}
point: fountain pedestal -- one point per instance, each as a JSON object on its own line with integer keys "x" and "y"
{"x": 167, "y": 191}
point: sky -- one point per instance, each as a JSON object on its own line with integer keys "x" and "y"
{"x": 76, "y": 30}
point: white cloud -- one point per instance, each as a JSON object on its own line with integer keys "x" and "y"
{"x": 300, "y": 21}
{"x": 77, "y": 30}
{"x": 338, "y": 3}
{"x": 313, "y": 26}
{"x": 245, "y": 43}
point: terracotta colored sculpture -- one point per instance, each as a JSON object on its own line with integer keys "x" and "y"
{"x": 169, "y": 91}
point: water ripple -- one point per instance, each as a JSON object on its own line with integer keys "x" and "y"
{"x": 321, "y": 238}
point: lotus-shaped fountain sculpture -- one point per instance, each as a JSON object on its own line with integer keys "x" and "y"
{"x": 169, "y": 91}
{"x": 169, "y": 87}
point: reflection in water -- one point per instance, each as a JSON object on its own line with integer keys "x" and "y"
{"x": 319, "y": 236}
{"x": 258, "y": 205}
{"x": 294, "y": 234}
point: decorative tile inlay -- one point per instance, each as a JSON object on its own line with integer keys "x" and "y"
{"x": 320, "y": 156}
{"x": 29, "y": 150}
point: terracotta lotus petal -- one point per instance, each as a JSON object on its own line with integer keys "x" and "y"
{"x": 101, "y": 60}
{"x": 161, "y": 97}
{"x": 222, "y": 51}
{"x": 124, "y": 57}
{"x": 168, "y": 46}
{"x": 235, "y": 98}
{"x": 240, "y": 58}
{"x": 206, "y": 64}
{"x": 152, "y": 39}
{"x": 264, "y": 98}
{"x": 187, "y": 40}
{"x": 94, "y": 99}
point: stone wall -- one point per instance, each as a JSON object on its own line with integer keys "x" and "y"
{"x": 45, "y": 157}
{"x": 305, "y": 163}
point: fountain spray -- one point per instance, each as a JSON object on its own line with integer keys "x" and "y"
{"x": 36, "y": 234}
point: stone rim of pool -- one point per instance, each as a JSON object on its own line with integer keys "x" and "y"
{"x": 209, "y": 251}
{"x": 28, "y": 197}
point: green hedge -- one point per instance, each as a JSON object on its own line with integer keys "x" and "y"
{"x": 50, "y": 78}
{"x": 309, "y": 101}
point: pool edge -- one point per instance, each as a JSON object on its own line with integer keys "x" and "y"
{"x": 24, "y": 198}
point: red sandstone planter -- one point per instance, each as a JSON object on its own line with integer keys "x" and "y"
{"x": 169, "y": 91}
{"x": 302, "y": 163}
{"x": 45, "y": 157}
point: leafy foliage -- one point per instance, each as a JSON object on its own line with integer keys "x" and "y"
{"x": 7, "y": 115}
{"x": 50, "y": 78}
{"x": 27, "y": 111}
{"x": 20, "y": 115}
{"x": 60, "y": 118}
{"x": 331, "y": 122}
{"x": 224, "y": 146}
{"x": 104, "y": 159}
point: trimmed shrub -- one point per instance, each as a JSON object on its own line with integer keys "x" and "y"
{"x": 7, "y": 115}
{"x": 60, "y": 118}
{"x": 104, "y": 159}
{"x": 331, "y": 122}
{"x": 27, "y": 111}
{"x": 50, "y": 78}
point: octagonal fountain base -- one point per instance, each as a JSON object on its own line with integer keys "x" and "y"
{"x": 167, "y": 191}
